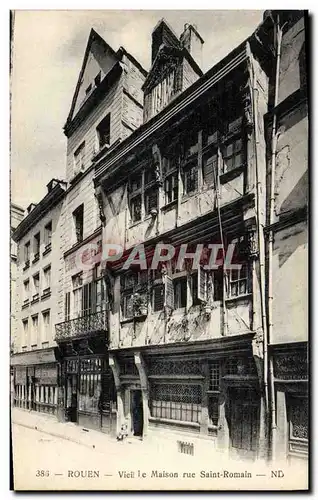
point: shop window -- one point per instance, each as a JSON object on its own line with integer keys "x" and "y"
{"x": 176, "y": 402}
{"x": 297, "y": 407}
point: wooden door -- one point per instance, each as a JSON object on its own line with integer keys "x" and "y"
{"x": 244, "y": 422}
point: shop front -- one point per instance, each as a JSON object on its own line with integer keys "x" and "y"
{"x": 35, "y": 381}
{"x": 86, "y": 388}
{"x": 192, "y": 399}
{"x": 290, "y": 432}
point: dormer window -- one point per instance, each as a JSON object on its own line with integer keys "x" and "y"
{"x": 103, "y": 132}
{"x": 88, "y": 90}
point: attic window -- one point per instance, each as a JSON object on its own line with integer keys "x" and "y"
{"x": 103, "y": 131}
{"x": 97, "y": 79}
{"x": 89, "y": 88}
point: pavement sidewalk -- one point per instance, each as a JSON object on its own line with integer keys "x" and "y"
{"x": 69, "y": 431}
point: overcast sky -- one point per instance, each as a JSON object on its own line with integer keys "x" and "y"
{"x": 47, "y": 56}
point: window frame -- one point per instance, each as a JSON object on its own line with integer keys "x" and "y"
{"x": 48, "y": 234}
{"x": 103, "y": 131}
{"x": 78, "y": 219}
{"x": 79, "y": 158}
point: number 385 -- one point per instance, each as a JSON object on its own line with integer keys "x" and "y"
{"x": 42, "y": 473}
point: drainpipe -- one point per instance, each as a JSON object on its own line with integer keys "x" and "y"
{"x": 271, "y": 239}
{"x": 260, "y": 236}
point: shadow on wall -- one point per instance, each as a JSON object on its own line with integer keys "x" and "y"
{"x": 288, "y": 241}
{"x": 297, "y": 198}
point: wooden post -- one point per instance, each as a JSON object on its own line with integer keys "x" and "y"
{"x": 139, "y": 362}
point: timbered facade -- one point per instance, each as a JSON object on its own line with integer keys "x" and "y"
{"x": 186, "y": 345}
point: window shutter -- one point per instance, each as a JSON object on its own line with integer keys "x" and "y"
{"x": 201, "y": 284}
{"x": 169, "y": 293}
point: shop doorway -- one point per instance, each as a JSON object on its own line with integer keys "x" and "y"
{"x": 137, "y": 412}
{"x": 244, "y": 413}
{"x": 71, "y": 397}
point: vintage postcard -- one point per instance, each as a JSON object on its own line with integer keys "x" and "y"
{"x": 159, "y": 253}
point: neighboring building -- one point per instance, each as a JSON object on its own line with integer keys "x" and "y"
{"x": 199, "y": 358}
{"x": 34, "y": 366}
{"x": 287, "y": 240}
{"x": 186, "y": 348}
{"x": 16, "y": 216}
{"x": 107, "y": 106}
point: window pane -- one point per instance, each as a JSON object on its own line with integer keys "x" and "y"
{"x": 135, "y": 208}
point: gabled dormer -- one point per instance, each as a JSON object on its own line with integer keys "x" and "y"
{"x": 106, "y": 107}
{"x": 175, "y": 66}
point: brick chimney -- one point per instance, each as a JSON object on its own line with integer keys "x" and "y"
{"x": 193, "y": 42}
{"x": 162, "y": 34}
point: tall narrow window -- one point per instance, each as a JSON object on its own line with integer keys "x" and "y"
{"x": 151, "y": 191}
{"x": 135, "y": 188}
{"x": 233, "y": 155}
{"x": 87, "y": 299}
{"x": 180, "y": 292}
{"x": 67, "y": 311}
{"x": 77, "y": 295}
{"x": 48, "y": 235}
{"x": 103, "y": 132}
{"x": 26, "y": 291}
{"x": 78, "y": 216}
{"x": 27, "y": 253}
{"x": 79, "y": 157}
{"x": 36, "y": 286}
{"x": 46, "y": 326}
{"x": 47, "y": 279}
{"x": 25, "y": 325}
{"x": 36, "y": 246}
{"x": 35, "y": 330}
{"x": 238, "y": 281}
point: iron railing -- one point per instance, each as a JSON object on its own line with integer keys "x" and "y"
{"x": 84, "y": 326}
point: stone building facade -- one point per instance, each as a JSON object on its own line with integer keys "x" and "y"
{"x": 199, "y": 358}
{"x": 34, "y": 365}
{"x": 106, "y": 107}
